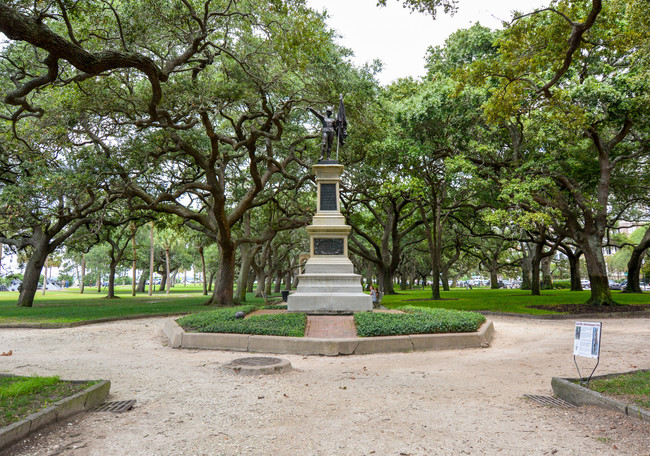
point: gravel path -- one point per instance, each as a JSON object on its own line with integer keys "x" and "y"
{"x": 429, "y": 403}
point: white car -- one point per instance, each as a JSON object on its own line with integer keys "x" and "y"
{"x": 643, "y": 285}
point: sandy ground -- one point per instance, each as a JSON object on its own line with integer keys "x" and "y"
{"x": 455, "y": 402}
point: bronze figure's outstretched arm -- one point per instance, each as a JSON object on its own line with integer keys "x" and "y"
{"x": 320, "y": 117}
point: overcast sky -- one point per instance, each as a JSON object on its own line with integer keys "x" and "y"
{"x": 399, "y": 38}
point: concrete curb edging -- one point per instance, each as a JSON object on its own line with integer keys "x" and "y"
{"x": 178, "y": 338}
{"x": 579, "y": 395}
{"x": 75, "y": 324}
{"x": 487, "y": 313}
{"x": 59, "y": 411}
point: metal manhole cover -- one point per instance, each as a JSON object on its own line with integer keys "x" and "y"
{"x": 258, "y": 365}
{"x": 115, "y": 407}
{"x": 256, "y": 361}
{"x": 549, "y": 400}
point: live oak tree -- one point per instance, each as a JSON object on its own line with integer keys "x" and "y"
{"x": 190, "y": 104}
{"x": 48, "y": 192}
{"x": 273, "y": 228}
{"x": 381, "y": 214}
{"x": 582, "y": 105}
{"x": 434, "y": 129}
{"x": 116, "y": 226}
{"x": 437, "y": 125}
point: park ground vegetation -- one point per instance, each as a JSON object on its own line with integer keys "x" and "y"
{"x": 69, "y": 307}
{"x": 22, "y": 396}
{"x": 633, "y": 387}
{"x": 151, "y": 144}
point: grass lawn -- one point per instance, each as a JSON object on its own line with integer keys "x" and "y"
{"x": 71, "y": 306}
{"x": 633, "y": 388}
{"x": 22, "y": 396}
{"x": 502, "y": 300}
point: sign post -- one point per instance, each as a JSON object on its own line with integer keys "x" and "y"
{"x": 586, "y": 343}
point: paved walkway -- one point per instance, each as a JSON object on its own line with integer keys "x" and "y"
{"x": 330, "y": 326}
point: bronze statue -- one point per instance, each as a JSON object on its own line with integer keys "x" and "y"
{"x": 330, "y": 128}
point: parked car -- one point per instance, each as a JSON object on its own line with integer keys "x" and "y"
{"x": 643, "y": 285}
{"x": 51, "y": 285}
{"x": 614, "y": 285}
{"x": 15, "y": 285}
{"x": 510, "y": 284}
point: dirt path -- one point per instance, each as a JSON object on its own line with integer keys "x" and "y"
{"x": 432, "y": 403}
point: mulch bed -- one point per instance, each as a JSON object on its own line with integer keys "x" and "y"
{"x": 267, "y": 311}
{"x": 585, "y": 309}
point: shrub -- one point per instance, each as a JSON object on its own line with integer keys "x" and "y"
{"x": 224, "y": 321}
{"x": 417, "y": 320}
{"x": 562, "y": 284}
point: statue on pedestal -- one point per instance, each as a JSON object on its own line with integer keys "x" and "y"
{"x": 331, "y": 127}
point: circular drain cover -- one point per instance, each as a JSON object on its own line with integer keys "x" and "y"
{"x": 258, "y": 365}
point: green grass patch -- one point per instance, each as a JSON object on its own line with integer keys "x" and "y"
{"x": 503, "y": 300}
{"x": 417, "y": 320}
{"x": 70, "y": 306}
{"x": 224, "y": 321}
{"x": 22, "y": 396}
{"x": 632, "y": 388}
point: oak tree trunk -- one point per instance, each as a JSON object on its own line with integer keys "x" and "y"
{"x": 494, "y": 278}
{"x": 634, "y": 265}
{"x": 141, "y": 283}
{"x": 244, "y": 271}
{"x": 225, "y": 281}
{"x": 111, "y": 279}
{"x": 591, "y": 246}
{"x": 32, "y": 276}
{"x": 526, "y": 268}
{"x": 151, "y": 260}
{"x": 83, "y": 273}
{"x": 167, "y": 273}
{"x": 135, "y": 256}
{"x": 44, "y": 277}
{"x": 547, "y": 280}
{"x": 203, "y": 276}
{"x": 535, "y": 282}
{"x": 574, "y": 270}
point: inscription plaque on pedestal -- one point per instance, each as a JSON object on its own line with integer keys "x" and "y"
{"x": 328, "y": 197}
{"x": 328, "y": 246}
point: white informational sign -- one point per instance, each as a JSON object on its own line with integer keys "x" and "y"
{"x": 587, "y": 339}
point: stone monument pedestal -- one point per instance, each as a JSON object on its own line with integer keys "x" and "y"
{"x": 329, "y": 284}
